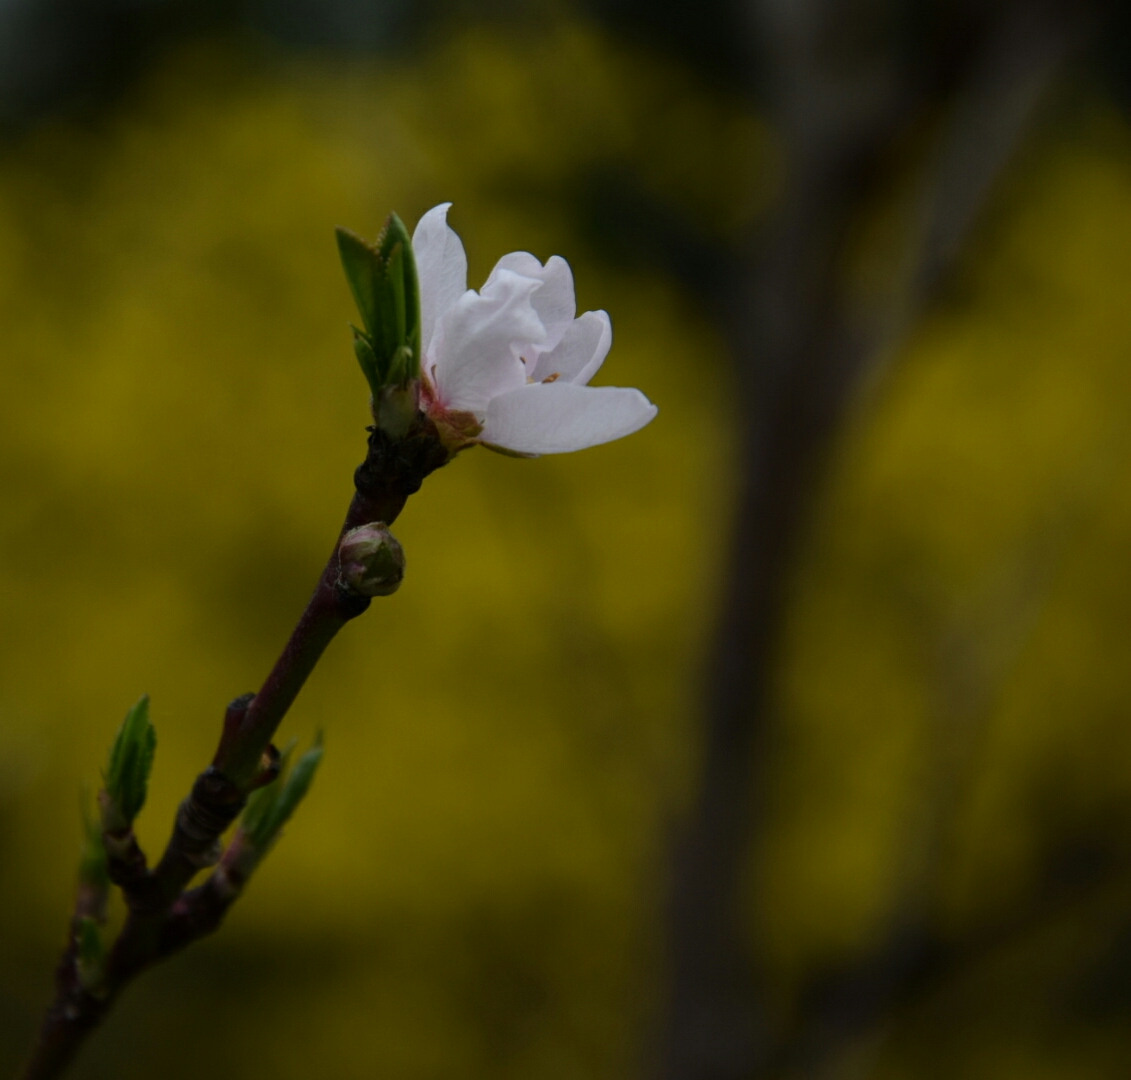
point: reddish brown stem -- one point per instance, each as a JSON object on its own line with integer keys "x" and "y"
{"x": 162, "y": 916}
{"x": 390, "y": 474}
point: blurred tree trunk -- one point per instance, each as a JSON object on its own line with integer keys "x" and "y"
{"x": 868, "y": 98}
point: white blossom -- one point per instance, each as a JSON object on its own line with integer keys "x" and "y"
{"x": 508, "y": 366}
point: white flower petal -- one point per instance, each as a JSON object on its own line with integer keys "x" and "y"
{"x": 580, "y": 353}
{"x": 479, "y": 340}
{"x": 441, "y": 266}
{"x": 556, "y": 418}
{"x": 554, "y": 302}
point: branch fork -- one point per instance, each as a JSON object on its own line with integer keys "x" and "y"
{"x": 244, "y": 778}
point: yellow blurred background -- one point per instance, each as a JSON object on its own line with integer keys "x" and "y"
{"x": 472, "y": 888}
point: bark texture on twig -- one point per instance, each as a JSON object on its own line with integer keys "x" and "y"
{"x": 391, "y": 472}
{"x": 162, "y": 917}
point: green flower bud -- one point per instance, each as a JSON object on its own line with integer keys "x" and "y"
{"x": 371, "y": 561}
{"x": 126, "y": 780}
{"x": 93, "y": 872}
{"x": 269, "y": 808}
{"x": 382, "y": 277}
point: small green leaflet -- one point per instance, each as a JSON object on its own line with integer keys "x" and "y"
{"x": 131, "y": 759}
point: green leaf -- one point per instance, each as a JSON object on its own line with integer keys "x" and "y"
{"x": 92, "y": 862}
{"x": 131, "y": 759}
{"x": 412, "y": 303}
{"x": 261, "y": 801}
{"x": 400, "y": 365}
{"x": 365, "y": 273}
{"x": 297, "y": 784}
{"x": 383, "y": 279}
{"x": 393, "y": 232}
{"x": 270, "y": 808}
{"x": 394, "y": 270}
{"x": 407, "y": 283}
{"x": 374, "y": 371}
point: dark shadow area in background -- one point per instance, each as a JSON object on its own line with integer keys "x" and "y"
{"x": 77, "y": 57}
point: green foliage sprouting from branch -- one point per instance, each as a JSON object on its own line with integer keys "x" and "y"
{"x": 131, "y": 759}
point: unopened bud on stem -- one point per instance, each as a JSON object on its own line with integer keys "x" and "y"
{"x": 371, "y": 561}
{"x": 126, "y": 780}
{"x": 383, "y": 278}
